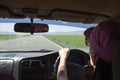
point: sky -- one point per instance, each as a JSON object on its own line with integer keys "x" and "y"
{"x": 9, "y": 27}
{"x": 54, "y": 26}
{"x": 59, "y": 28}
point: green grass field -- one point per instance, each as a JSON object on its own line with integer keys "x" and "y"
{"x": 71, "y": 41}
{"x": 6, "y": 37}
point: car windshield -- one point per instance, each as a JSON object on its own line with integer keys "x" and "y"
{"x": 61, "y": 34}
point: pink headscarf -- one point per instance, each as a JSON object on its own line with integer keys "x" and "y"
{"x": 88, "y": 31}
{"x": 104, "y": 38}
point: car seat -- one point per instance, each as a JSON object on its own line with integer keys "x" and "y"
{"x": 116, "y": 63}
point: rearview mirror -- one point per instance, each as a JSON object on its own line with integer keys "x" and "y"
{"x": 31, "y": 27}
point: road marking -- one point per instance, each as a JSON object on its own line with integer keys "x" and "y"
{"x": 52, "y": 42}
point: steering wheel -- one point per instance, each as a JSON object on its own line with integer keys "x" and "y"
{"x": 76, "y": 56}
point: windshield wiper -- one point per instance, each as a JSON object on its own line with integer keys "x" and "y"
{"x": 46, "y": 50}
{"x": 42, "y": 50}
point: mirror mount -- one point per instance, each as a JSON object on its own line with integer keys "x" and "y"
{"x": 32, "y": 28}
{"x": 31, "y": 20}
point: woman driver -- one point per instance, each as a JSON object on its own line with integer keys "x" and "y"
{"x": 103, "y": 41}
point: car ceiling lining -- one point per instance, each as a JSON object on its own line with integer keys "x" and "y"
{"x": 54, "y": 14}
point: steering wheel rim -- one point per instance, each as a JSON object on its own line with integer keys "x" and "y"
{"x": 55, "y": 66}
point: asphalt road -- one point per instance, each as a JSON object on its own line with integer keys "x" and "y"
{"x": 34, "y": 42}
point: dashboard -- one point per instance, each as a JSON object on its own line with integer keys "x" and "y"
{"x": 33, "y": 66}
{"x": 26, "y": 66}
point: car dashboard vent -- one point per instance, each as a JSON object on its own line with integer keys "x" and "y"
{"x": 34, "y": 70}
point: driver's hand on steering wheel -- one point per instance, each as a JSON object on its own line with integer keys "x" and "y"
{"x": 62, "y": 72}
{"x": 64, "y": 52}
